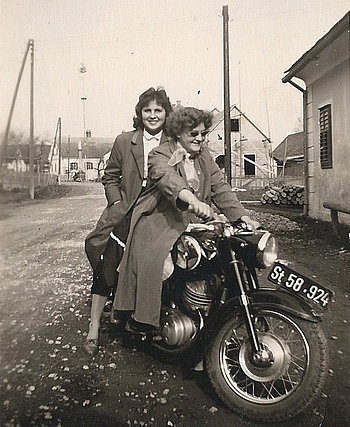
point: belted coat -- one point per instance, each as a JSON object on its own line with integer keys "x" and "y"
{"x": 122, "y": 180}
{"x": 158, "y": 219}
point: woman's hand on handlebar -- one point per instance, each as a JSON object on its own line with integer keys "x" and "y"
{"x": 251, "y": 224}
{"x": 201, "y": 209}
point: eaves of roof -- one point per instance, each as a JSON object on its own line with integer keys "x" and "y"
{"x": 339, "y": 28}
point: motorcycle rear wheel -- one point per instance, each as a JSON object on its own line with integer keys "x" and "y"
{"x": 282, "y": 389}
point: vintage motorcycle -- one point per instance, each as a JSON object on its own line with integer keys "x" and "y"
{"x": 263, "y": 348}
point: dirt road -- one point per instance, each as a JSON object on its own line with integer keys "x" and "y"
{"x": 46, "y": 380}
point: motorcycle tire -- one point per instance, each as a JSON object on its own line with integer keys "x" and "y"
{"x": 287, "y": 384}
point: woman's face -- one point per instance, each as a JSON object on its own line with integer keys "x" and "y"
{"x": 192, "y": 140}
{"x": 153, "y": 117}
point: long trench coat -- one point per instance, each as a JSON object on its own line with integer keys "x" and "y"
{"x": 122, "y": 180}
{"x": 158, "y": 219}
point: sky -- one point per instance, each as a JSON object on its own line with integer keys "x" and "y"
{"x": 128, "y": 46}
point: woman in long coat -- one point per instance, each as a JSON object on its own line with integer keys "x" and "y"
{"x": 124, "y": 180}
{"x": 182, "y": 174}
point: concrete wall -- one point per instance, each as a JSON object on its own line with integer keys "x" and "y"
{"x": 330, "y": 185}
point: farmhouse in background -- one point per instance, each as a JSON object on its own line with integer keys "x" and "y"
{"x": 79, "y": 158}
{"x": 251, "y": 149}
{"x": 325, "y": 70}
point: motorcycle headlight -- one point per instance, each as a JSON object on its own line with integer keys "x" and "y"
{"x": 266, "y": 253}
{"x": 187, "y": 253}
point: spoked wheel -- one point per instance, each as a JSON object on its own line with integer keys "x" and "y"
{"x": 287, "y": 377}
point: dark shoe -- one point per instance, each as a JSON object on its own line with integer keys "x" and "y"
{"x": 117, "y": 317}
{"x": 138, "y": 328}
{"x": 91, "y": 347}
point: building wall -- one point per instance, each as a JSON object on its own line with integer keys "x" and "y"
{"x": 330, "y": 185}
{"x": 91, "y": 174}
{"x": 248, "y": 141}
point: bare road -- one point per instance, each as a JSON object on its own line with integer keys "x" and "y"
{"x": 46, "y": 380}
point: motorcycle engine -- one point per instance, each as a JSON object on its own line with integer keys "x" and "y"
{"x": 198, "y": 294}
{"x": 177, "y": 328}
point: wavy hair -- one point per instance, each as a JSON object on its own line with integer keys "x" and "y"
{"x": 187, "y": 118}
{"x": 159, "y": 95}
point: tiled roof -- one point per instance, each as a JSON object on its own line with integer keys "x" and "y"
{"x": 91, "y": 149}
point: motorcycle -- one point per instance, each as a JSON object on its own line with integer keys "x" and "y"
{"x": 263, "y": 348}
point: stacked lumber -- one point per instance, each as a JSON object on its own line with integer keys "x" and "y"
{"x": 284, "y": 195}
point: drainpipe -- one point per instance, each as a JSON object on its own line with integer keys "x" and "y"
{"x": 306, "y": 158}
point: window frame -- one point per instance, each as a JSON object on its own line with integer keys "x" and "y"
{"x": 74, "y": 166}
{"x": 250, "y": 165}
{"x": 325, "y": 136}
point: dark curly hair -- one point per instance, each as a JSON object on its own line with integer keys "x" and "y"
{"x": 159, "y": 95}
{"x": 187, "y": 118}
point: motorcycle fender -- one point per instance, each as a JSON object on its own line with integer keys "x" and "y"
{"x": 278, "y": 299}
{"x": 286, "y": 302}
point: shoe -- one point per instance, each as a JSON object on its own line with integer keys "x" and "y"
{"x": 138, "y": 328}
{"x": 117, "y": 317}
{"x": 91, "y": 347}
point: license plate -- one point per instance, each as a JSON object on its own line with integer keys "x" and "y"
{"x": 299, "y": 284}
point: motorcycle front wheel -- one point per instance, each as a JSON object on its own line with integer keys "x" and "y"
{"x": 287, "y": 383}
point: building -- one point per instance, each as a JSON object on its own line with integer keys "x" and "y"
{"x": 251, "y": 149}
{"x": 16, "y": 171}
{"x": 79, "y": 158}
{"x": 325, "y": 71}
{"x": 289, "y": 157}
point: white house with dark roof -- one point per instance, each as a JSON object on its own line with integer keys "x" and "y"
{"x": 325, "y": 71}
{"x": 87, "y": 157}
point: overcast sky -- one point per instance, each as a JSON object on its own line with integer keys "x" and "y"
{"x": 128, "y": 46}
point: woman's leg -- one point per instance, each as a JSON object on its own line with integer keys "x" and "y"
{"x": 100, "y": 292}
{"x": 98, "y": 303}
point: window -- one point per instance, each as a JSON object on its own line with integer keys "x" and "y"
{"x": 326, "y": 137}
{"x": 234, "y": 125}
{"x": 89, "y": 165}
{"x": 249, "y": 167}
{"x": 74, "y": 166}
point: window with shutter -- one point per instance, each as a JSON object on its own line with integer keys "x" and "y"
{"x": 326, "y": 137}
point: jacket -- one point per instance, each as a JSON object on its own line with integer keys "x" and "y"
{"x": 122, "y": 181}
{"x": 157, "y": 221}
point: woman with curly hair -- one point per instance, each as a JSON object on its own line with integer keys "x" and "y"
{"x": 184, "y": 181}
{"x": 124, "y": 180}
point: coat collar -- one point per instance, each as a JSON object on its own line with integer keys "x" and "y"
{"x": 137, "y": 148}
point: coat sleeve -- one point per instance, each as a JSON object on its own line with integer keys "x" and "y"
{"x": 222, "y": 195}
{"x": 166, "y": 178}
{"x": 111, "y": 178}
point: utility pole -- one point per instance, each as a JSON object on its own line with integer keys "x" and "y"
{"x": 84, "y": 140}
{"x": 68, "y": 165}
{"x": 227, "y": 117}
{"x": 82, "y": 71}
{"x": 31, "y": 142}
{"x": 8, "y": 125}
{"x": 59, "y": 151}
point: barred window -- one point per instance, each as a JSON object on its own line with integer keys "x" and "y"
{"x": 89, "y": 165}
{"x": 326, "y": 137}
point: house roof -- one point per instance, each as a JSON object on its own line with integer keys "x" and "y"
{"x": 91, "y": 149}
{"x": 21, "y": 151}
{"x": 342, "y": 26}
{"x": 291, "y": 147}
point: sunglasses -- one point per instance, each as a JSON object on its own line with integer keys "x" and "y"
{"x": 195, "y": 133}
